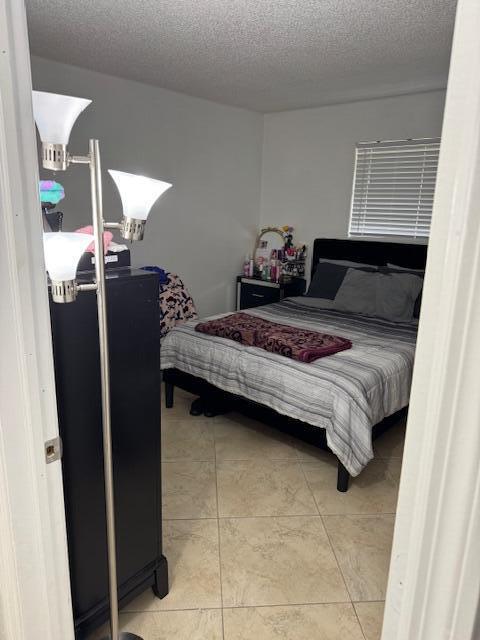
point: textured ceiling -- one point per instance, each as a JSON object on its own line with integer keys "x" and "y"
{"x": 267, "y": 55}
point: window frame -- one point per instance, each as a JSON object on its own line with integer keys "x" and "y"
{"x": 376, "y": 144}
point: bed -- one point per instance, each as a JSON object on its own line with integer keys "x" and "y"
{"x": 342, "y": 401}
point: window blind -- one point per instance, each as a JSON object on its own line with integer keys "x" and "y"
{"x": 393, "y": 188}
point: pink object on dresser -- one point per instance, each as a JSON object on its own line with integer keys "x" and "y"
{"x": 107, "y": 238}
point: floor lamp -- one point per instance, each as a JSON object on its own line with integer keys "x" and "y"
{"x": 55, "y": 116}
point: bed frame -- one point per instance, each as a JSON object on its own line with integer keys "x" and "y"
{"x": 217, "y": 401}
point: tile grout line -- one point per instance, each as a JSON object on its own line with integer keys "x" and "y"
{"x": 329, "y": 541}
{"x": 338, "y": 563}
{"x": 358, "y": 619}
{"x": 218, "y": 529}
{"x": 331, "y": 545}
{"x": 308, "y": 486}
{"x": 259, "y": 460}
{"x": 253, "y": 606}
{"x": 213, "y": 461}
{"x": 300, "y": 462}
{"x": 294, "y": 515}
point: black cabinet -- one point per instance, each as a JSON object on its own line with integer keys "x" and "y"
{"x": 132, "y": 297}
{"x": 253, "y": 292}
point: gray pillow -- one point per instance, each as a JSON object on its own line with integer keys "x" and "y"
{"x": 396, "y": 296}
{"x": 327, "y": 279}
{"x": 418, "y": 272}
{"x": 384, "y": 295}
{"x": 357, "y": 293}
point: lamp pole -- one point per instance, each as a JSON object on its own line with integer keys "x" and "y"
{"x": 98, "y": 226}
{"x": 97, "y": 213}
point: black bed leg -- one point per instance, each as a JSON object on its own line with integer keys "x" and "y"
{"x": 169, "y": 387}
{"x": 343, "y": 478}
{"x": 160, "y": 585}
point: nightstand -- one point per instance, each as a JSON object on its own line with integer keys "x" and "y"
{"x": 253, "y": 292}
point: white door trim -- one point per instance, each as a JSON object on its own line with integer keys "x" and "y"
{"x": 35, "y": 589}
{"x": 434, "y": 586}
{"x": 434, "y": 582}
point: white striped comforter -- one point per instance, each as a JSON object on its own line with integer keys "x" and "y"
{"x": 345, "y": 394}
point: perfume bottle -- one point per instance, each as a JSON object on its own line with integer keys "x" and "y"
{"x": 246, "y": 266}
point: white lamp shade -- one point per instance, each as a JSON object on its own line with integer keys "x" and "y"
{"x": 138, "y": 193}
{"x": 55, "y": 115}
{"x": 63, "y": 252}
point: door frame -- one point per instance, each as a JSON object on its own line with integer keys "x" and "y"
{"x": 35, "y": 597}
{"x": 434, "y": 582}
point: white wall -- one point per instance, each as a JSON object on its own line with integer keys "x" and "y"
{"x": 308, "y": 157}
{"x": 204, "y": 226}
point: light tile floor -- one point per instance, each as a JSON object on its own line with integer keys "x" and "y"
{"x": 260, "y": 545}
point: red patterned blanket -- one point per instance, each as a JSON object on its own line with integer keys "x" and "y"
{"x": 285, "y": 340}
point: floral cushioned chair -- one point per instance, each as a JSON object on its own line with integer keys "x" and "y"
{"x": 175, "y": 303}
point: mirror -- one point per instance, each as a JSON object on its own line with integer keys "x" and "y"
{"x": 268, "y": 239}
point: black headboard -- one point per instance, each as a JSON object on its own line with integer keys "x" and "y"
{"x": 370, "y": 252}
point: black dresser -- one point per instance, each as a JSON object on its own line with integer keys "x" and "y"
{"x": 132, "y": 297}
{"x": 253, "y": 292}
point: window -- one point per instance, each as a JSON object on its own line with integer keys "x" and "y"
{"x": 393, "y": 188}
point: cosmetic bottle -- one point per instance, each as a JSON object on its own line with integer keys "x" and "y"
{"x": 278, "y": 272}
{"x": 274, "y": 266}
{"x": 246, "y": 266}
{"x": 251, "y": 267}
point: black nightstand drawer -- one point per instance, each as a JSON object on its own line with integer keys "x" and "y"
{"x": 252, "y": 292}
{"x": 254, "y": 295}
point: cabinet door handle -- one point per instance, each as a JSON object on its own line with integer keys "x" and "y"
{"x": 257, "y": 295}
